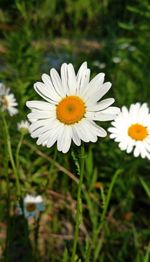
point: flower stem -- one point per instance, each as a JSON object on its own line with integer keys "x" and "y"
{"x": 97, "y": 242}
{"x": 8, "y": 143}
{"x": 18, "y": 150}
{"x": 79, "y": 206}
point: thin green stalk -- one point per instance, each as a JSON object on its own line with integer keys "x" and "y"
{"x": 79, "y": 206}
{"x": 51, "y": 169}
{"x": 18, "y": 150}
{"x": 6, "y": 160}
{"x": 105, "y": 208}
{"x": 53, "y": 163}
{"x": 8, "y": 142}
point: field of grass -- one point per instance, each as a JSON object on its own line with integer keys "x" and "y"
{"x": 96, "y": 198}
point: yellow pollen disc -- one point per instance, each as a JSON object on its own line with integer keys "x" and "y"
{"x": 5, "y": 101}
{"x": 70, "y": 110}
{"x": 137, "y": 132}
{"x": 30, "y": 207}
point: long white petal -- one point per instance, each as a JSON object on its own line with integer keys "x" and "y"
{"x": 72, "y": 83}
{"x": 101, "y": 105}
{"x": 64, "y": 77}
{"x": 55, "y": 78}
{"x": 47, "y": 92}
{"x": 105, "y": 115}
{"x": 40, "y": 105}
{"x": 97, "y": 95}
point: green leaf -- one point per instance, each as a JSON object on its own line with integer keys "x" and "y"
{"x": 147, "y": 255}
{"x": 145, "y": 186}
{"x": 128, "y": 27}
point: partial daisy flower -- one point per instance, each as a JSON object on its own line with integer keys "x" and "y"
{"x": 131, "y": 129}
{"x": 32, "y": 206}
{"x": 71, "y": 109}
{"x": 23, "y": 126}
{"x": 7, "y": 100}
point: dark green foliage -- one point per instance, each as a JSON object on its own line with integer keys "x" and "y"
{"x": 38, "y": 35}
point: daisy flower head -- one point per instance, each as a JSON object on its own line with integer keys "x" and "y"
{"x": 7, "y": 100}
{"x": 131, "y": 129}
{"x": 32, "y": 206}
{"x": 71, "y": 108}
{"x": 23, "y": 126}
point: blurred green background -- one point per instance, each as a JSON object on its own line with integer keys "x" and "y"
{"x": 113, "y": 36}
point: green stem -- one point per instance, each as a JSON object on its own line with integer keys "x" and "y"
{"x": 51, "y": 170}
{"x": 105, "y": 208}
{"x": 8, "y": 142}
{"x": 79, "y": 206}
{"x": 18, "y": 151}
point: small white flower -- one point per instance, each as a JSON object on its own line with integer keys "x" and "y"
{"x": 71, "y": 109}
{"x": 116, "y": 60}
{"x": 23, "y": 126}
{"x": 7, "y": 100}
{"x": 131, "y": 129}
{"x": 32, "y": 206}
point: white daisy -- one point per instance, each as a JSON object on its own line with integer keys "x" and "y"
{"x": 32, "y": 206}
{"x": 71, "y": 109}
{"x": 131, "y": 129}
{"x": 23, "y": 126}
{"x": 7, "y": 100}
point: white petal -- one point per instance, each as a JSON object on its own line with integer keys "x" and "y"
{"x": 98, "y": 129}
{"x": 98, "y": 94}
{"x": 81, "y": 74}
{"x": 47, "y": 92}
{"x": 40, "y": 115}
{"x": 40, "y": 105}
{"x": 123, "y": 145}
{"x": 64, "y": 77}
{"x": 75, "y": 137}
{"x": 83, "y": 129}
{"x": 64, "y": 138}
{"x": 55, "y": 78}
{"x": 72, "y": 80}
{"x": 136, "y": 151}
{"x": 81, "y": 134}
{"x": 130, "y": 147}
{"x": 45, "y": 137}
{"x": 38, "y": 124}
{"x": 52, "y": 137}
{"x": 83, "y": 85}
{"x": 105, "y": 115}
{"x": 101, "y": 105}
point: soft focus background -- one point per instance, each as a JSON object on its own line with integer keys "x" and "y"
{"x": 113, "y": 36}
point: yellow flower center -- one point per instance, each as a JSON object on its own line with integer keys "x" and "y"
{"x": 137, "y": 132}
{"x": 5, "y": 101}
{"x": 30, "y": 207}
{"x": 70, "y": 110}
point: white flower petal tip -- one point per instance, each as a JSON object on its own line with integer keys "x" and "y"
{"x": 71, "y": 107}
{"x": 32, "y": 206}
{"x": 131, "y": 129}
{"x": 7, "y": 100}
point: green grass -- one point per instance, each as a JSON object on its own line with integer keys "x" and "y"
{"x": 114, "y": 214}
